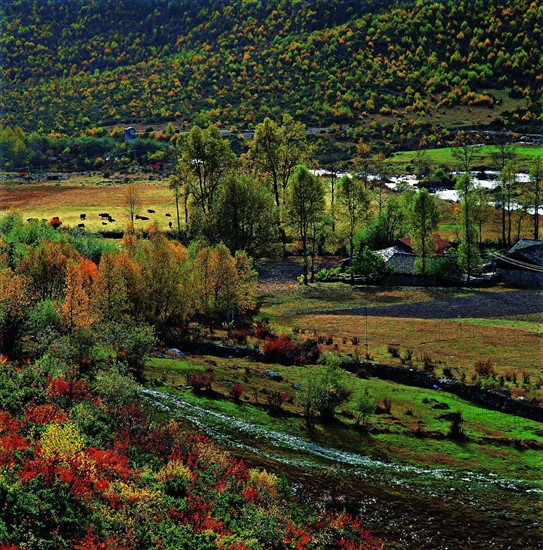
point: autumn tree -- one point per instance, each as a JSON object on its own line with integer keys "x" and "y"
{"x": 423, "y": 216}
{"x": 46, "y": 268}
{"x": 76, "y": 310}
{"x": 222, "y": 285}
{"x": 164, "y": 271}
{"x": 15, "y": 301}
{"x": 304, "y": 207}
{"x": 362, "y": 162}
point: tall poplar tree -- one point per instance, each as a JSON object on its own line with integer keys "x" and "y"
{"x": 305, "y": 207}
{"x": 423, "y": 216}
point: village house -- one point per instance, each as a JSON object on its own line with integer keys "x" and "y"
{"x": 523, "y": 264}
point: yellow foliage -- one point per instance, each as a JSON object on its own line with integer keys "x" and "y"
{"x": 61, "y": 440}
{"x": 264, "y": 480}
{"x": 174, "y": 469}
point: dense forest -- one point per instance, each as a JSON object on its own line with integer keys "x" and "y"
{"x": 67, "y": 66}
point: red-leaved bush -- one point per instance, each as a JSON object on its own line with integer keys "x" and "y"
{"x": 236, "y": 391}
{"x": 281, "y": 349}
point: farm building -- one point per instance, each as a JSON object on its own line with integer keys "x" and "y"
{"x": 401, "y": 262}
{"x": 130, "y": 134}
{"x": 523, "y": 264}
{"x": 442, "y": 245}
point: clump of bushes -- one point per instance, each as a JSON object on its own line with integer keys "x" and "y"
{"x": 282, "y": 349}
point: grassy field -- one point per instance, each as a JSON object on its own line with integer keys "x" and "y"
{"x": 443, "y": 157}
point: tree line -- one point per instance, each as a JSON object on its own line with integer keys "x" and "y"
{"x": 269, "y": 195}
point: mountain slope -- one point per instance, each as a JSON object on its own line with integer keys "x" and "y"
{"x": 71, "y": 65}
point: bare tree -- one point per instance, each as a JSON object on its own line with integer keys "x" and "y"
{"x": 131, "y": 202}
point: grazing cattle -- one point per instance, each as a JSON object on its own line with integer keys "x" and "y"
{"x": 151, "y": 211}
{"x": 81, "y": 226}
{"x": 144, "y": 218}
{"x": 168, "y": 215}
{"x": 170, "y": 224}
{"x": 82, "y": 216}
{"x": 103, "y": 215}
{"x": 104, "y": 223}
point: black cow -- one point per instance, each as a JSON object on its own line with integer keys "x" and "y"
{"x": 82, "y": 216}
{"x": 151, "y": 211}
{"x": 168, "y": 215}
{"x": 81, "y": 225}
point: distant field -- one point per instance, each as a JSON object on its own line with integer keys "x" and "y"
{"x": 525, "y": 154}
{"x": 91, "y": 196}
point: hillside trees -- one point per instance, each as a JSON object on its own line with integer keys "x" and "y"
{"x": 305, "y": 207}
{"x": 329, "y": 63}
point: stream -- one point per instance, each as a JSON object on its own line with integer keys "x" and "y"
{"x": 295, "y": 451}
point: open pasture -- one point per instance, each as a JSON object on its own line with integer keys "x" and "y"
{"x": 91, "y": 196}
{"x": 454, "y": 328}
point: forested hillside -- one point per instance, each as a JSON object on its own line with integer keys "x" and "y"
{"x": 67, "y": 66}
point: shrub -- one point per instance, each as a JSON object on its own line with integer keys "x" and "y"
{"x": 281, "y": 349}
{"x": 263, "y": 329}
{"x": 236, "y": 391}
{"x": 309, "y": 352}
{"x": 429, "y": 367}
{"x": 456, "y": 430}
{"x": 240, "y": 335}
{"x": 394, "y": 350}
{"x": 485, "y": 369}
{"x": 387, "y": 404}
{"x": 275, "y": 400}
{"x": 200, "y": 382}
